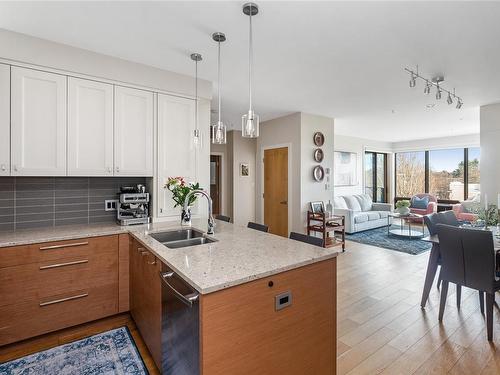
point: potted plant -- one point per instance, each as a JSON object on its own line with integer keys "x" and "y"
{"x": 180, "y": 189}
{"x": 403, "y": 207}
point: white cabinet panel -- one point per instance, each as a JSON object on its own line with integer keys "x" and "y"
{"x": 133, "y": 147}
{"x": 90, "y": 128}
{"x": 4, "y": 120}
{"x": 176, "y": 153}
{"x": 38, "y": 129}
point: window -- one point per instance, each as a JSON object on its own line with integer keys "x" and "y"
{"x": 410, "y": 173}
{"x": 376, "y": 176}
{"x": 439, "y": 172}
{"x": 446, "y": 174}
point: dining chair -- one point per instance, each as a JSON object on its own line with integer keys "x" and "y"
{"x": 468, "y": 259}
{"x": 256, "y": 226}
{"x": 227, "y": 219}
{"x": 448, "y": 218}
{"x": 307, "y": 239}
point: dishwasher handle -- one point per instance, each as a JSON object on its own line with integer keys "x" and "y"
{"x": 189, "y": 299}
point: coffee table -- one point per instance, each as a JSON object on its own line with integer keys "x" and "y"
{"x": 407, "y": 220}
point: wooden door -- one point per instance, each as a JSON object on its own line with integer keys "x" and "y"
{"x": 133, "y": 138}
{"x": 38, "y": 129}
{"x": 4, "y": 120}
{"x": 176, "y": 155}
{"x": 276, "y": 190}
{"x": 215, "y": 178}
{"x": 90, "y": 128}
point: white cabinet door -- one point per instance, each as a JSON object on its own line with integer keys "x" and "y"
{"x": 176, "y": 153}
{"x": 90, "y": 128}
{"x": 133, "y": 132}
{"x": 4, "y": 120}
{"x": 38, "y": 128}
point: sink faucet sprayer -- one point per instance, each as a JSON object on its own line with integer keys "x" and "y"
{"x": 187, "y": 213}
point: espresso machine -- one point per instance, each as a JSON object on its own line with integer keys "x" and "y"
{"x": 133, "y": 205}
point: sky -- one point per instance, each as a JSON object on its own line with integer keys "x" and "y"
{"x": 448, "y": 159}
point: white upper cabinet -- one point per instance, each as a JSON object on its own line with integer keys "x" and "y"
{"x": 4, "y": 120}
{"x": 90, "y": 128}
{"x": 133, "y": 146}
{"x": 38, "y": 123}
{"x": 176, "y": 153}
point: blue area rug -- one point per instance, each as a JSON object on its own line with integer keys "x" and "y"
{"x": 111, "y": 352}
{"x": 378, "y": 237}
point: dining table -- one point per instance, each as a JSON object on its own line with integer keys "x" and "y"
{"x": 435, "y": 255}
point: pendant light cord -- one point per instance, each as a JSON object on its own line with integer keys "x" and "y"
{"x": 250, "y": 59}
{"x": 218, "y": 81}
{"x": 196, "y": 97}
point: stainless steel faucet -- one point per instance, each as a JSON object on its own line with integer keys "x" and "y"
{"x": 187, "y": 216}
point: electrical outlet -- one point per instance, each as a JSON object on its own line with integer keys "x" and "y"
{"x": 110, "y": 204}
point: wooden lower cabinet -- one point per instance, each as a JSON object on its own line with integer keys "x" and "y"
{"x": 243, "y": 334}
{"x": 49, "y": 286}
{"x": 145, "y": 297}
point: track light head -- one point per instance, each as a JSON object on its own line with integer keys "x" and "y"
{"x": 449, "y": 100}
{"x": 413, "y": 81}
{"x": 438, "y": 93}
{"x": 427, "y": 89}
{"x": 459, "y": 103}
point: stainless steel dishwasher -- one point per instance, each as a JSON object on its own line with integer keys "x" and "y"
{"x": 180, "y": 337}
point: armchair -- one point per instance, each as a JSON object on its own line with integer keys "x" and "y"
{"x": 431, "y": 206}
{"x": 464, "y": 210}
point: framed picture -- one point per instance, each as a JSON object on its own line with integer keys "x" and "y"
{"x": 244, "y": 170}
{"x": 317, "y": 207}
{"x": 318, "y": 139}
{"x": 345, "y": 168}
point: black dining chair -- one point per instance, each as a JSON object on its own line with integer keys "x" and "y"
{"x": 257, "y": 226}
{"x": 448, "y": 218}
{"x": 468, "y": 259}
{"x": 307, "y": 239}
{"x": 227, "y": 219}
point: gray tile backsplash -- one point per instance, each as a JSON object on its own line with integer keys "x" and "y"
{"x": 35, "y": 202}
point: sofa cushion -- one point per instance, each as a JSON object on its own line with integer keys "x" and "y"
{"x": 339, "y": 202}
{"x": 373, "y": 215}
{"x": 420, "y": 203}
{"x": 383, "y": 214}
{"x": 365, "y": 202}
{"x": 352, "y": 203}
{"x": 360, "y": 217}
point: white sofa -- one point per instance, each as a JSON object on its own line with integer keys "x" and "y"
{"x": 360, "y": 212}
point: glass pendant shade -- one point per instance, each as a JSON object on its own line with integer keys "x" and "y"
{"x": 219, "y": 133}
{"x": 197, "y": 140}
{"x": 250, "y": 125}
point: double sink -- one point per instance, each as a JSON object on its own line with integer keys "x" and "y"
{"x": 175, "y": 239}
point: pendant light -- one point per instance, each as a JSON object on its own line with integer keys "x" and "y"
{"x": 196, "y": 57}
{"x": 219, "y": 130}
{"x": 250, "y": 120}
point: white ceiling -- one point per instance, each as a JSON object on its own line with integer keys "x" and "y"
{"x": 339, "y": 59}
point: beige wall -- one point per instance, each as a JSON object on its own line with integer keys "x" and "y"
{"x": 490, "y": 151}
{"x": 21, "y": 48}
{"x": 281, "y": 132}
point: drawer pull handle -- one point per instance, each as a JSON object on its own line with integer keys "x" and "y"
{"x": 63, "y": 246}
{"x": 64, "y": 264}
{"x": 140, "y": 249}
{"x": 153, "y": 263}
{"x": 63, "y": 299}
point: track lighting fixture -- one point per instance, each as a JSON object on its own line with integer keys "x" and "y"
{"x": 435, "y": 81}
{"x": 196, "y": 57}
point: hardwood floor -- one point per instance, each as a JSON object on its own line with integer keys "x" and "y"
{"x": 383, "y": 330}
{"x": 381, "y": 327}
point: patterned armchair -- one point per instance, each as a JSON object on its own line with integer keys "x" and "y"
{"x": 431, "y": 206}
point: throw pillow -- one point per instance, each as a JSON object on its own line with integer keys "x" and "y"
{"x": 420, "y": 203}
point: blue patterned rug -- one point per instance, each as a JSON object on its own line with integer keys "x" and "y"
{"x": 378, "y": 237}
{"x": 111, "y": 352}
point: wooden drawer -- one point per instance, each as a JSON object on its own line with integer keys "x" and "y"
{"x": 36, "y": 281}
{"x": 32, "y": 318}
{"x": 51, "y": 251}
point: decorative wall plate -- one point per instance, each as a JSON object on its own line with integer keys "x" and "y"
{"x": 318, "y": 173}
{"x": 319, "y": 139}
{"x": 318, "y": 155}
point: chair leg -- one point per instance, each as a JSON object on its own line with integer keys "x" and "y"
{"x": 459, "y": 295}
{"x": 442, "y": 302}
{"x": 490, "y": 298}
{"x": 440, "y": 280}
{"x": 481, "y": 302}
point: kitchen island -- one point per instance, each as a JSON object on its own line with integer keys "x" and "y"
{"x": 247, "y": 303}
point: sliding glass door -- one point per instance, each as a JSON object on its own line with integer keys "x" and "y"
{"x": 376, "y": 176}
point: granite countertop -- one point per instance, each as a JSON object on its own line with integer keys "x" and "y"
{"x": 239, "y": 255}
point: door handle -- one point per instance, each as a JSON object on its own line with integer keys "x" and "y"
{"x": 189, "y": 300}
{"x": 284, "y": 202}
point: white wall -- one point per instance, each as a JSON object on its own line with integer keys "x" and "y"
{"x": 490, "y": 151}
{"x": 460, "y": 141}
{"x": 20, "y": 48}
{"x": 311, "y": 190}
